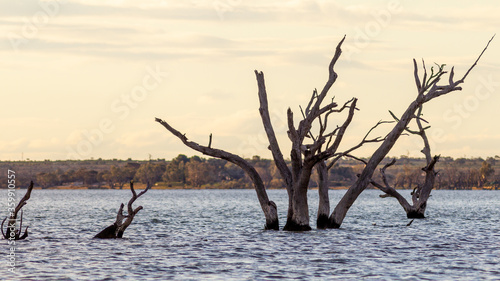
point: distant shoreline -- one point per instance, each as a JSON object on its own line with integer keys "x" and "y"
{"x": 139, "y": 186}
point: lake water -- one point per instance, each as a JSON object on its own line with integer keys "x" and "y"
{"x": 218, "y": 235}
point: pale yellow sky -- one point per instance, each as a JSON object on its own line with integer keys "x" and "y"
{"x": 84, "y": 79}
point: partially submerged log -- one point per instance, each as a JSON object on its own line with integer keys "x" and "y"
{"x": 12, "y": 232}
{"x": 121, "y": 223}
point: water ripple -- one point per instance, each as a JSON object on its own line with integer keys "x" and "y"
{"x": 217, "y": 234}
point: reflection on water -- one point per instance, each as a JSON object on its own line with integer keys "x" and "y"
{"x": 217, "y": 234}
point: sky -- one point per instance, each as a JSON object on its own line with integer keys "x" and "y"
{"x": 86, "y": 79}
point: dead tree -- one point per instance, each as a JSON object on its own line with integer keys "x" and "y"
{"x": 12, "y": 232}
{"x": 118, "y": 227}
{"x": 308, "y": 149}
{"x": 428, "y": 88}
{"x": 421, "y": 193}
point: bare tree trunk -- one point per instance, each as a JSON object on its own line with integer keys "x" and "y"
{"x": 300, "y": 218}
{"x": 12, "y": 233}
{"x": 421, "y": 194}
{"x": 273, "y": 142}
{"x": 268, "y": 207}
{"x": 340, "y": 211}
{"x": 324, "y": 200}
{"x": 117, "y": 229}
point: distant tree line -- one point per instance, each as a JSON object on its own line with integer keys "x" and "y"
{"x": 197, "y": 172}
{"x": 452, "y": 174}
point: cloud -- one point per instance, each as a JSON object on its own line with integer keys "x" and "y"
{"x": 92, "y": 49}
{"x": 45, "y": 144}
{"x": 214, "y": 97}
{"x": 139, "y": 139}
{"x": 14, "y": 145}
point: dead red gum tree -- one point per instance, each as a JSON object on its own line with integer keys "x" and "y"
{"x": 310, "y": 150}
{"x": 428, "y": 88}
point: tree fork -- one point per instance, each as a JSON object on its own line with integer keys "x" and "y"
{"x": 117, "y": 229}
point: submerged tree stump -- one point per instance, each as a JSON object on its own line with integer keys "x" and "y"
{"x": 12, "y": 232}
{"x": 117, "y": 229}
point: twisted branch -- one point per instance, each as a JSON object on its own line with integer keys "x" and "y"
{"x": 11, "y": 225}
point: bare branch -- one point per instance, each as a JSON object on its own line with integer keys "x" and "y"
{"x": 292, "y": 132}
{"x": 130, "y": 210}
{"x": 452, "y": 73}
{"x": 382, "y": 171}
{"x": 391, "y": 191}
{"x": 268, "y": 127}
{"x": 330, "y": 111}
{"x": 436, "y": 91}
{"x": 24, "y": 200}
{"x": 12, "y": 219}
{"x": 266, "y": 205}
{"x": 313, "y": 97}
{"x": 479, "y": 57}
{"x": 340, "y": 155}
{"x": 365, "y": 140}
{"x": 329, "y": 151}
{"x": 415, "y": 73}
{"x": 425, "y": 76}
{"x": 1, "y": 227}
{"x": 305, "y": 125}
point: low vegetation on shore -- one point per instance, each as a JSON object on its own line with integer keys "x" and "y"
{"x": 194, "y": 172}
